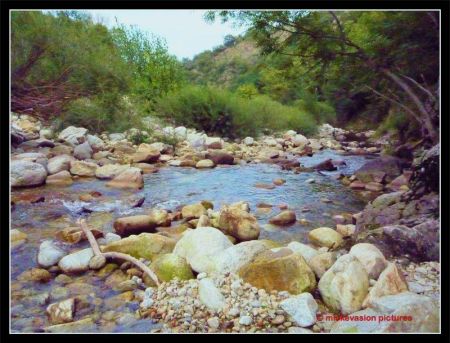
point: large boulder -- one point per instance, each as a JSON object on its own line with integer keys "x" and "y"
{"x": 390, "y": 166}
{"x": 73, "y": 135}
{"x": 422, "y": 310}
{"x": 199, "y": 246}
{"x": 305, "y": 250}
{"x": 371, "y": 257}
{"x": 83, "y": 168}
{"x": 83, "y": 151}
{"x": 345, "y": 285}
{"x": 280, "y": 270}
{"x": 238, "y": 223}
{"x": 170, "y": 266}
{"x": 233, "y": 258}
{"x": 59, "y": 163}
{"x": 145, "y": 245}
{"x": 321, "y": 263}
{"x": 325, "y": 237}
{"x": 25, "y": 174}
{"x": 36, "y": 157}
{"x": 391, "y": 281}
{"x": 129, "y": 178}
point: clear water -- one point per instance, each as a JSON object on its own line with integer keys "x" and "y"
{"x": 170, "y": 188}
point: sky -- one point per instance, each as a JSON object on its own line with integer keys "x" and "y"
{"x": 185, "y": 31}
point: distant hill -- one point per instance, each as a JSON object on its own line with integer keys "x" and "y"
{"x": 234, "y": 63}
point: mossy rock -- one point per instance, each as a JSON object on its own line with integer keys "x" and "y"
{"x": 145, "y": 245}
{"x": 170, "y": 266}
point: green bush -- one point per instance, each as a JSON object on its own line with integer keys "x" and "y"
{"x": 221, "y": 112}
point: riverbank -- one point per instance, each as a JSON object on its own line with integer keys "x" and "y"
{"x": 228, "y": 256}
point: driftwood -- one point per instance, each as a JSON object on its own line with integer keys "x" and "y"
{"x": 100, "y": 257}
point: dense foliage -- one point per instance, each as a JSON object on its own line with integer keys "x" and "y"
{"x": 225, "y": 113}
{"x": 65, "y": 65}
{"x": 365, "y": 64}
{"x": 291, "y": 69}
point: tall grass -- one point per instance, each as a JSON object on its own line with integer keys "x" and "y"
{"x": 221, "y": 112}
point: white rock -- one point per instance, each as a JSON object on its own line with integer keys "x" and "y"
{"x": 116, "y": 137}
{"x": 59, "y": 163}
{"x": 233, "y": 258}
{"x": 302, "y": 309}
{"x": 305, "y": 250}
{"x": 97, "y": 144}
{"x": 73, "y": 135}
{"x": 213, "y": 322}
{"x": 77, "y": 261}
{"x": 299, "y": 141}
{"x": 210, "y": 295}
{"x": 49, "y": 254}
{"x": 371, "y": 258}
{"x": 245, "y": 320}
{"x": 24, "y": 173}
{"x": 249, "y": 141}
{"x": 180, "y": 132}
{"x": 200, "y": 245}
{"x": 112, "y": 237}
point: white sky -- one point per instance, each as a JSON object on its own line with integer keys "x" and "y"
{"x": 185, "y": 31}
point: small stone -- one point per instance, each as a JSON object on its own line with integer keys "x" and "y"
{"x": 213, "y": 322}
{"x": 245, "y": 320}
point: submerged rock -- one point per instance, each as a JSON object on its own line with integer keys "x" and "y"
{"x": 61, "y": 312}
{"x": 284, "y": 218}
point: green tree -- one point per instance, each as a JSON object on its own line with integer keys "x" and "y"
{"x": 394, "y": 55}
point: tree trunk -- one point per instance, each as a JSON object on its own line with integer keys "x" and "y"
{"x": 426, "y": 119}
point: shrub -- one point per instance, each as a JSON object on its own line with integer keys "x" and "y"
{"x": 221, "y": 112}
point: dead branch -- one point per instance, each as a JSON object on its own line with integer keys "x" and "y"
{"x": 114, "y": 255}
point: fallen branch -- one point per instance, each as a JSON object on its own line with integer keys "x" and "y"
{"x": 99, "y": 258}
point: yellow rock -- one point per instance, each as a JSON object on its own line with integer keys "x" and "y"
{"x": 282, "y": 270}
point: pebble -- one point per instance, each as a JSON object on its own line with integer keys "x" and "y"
{"x": 245, "y": 320}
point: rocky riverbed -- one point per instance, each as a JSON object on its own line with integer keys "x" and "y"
{"x": 275, "y": 234}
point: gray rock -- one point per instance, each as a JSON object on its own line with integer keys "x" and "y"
{"x": 24, "y": 173}
{"x": 73, "y": 135}
{"x": 83, "y": 151}
{"x": 210, "y": 295}
{"x": 49, "y": 254}
{"x": 77, "y": 261}
{"x": 302, "y": 309}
